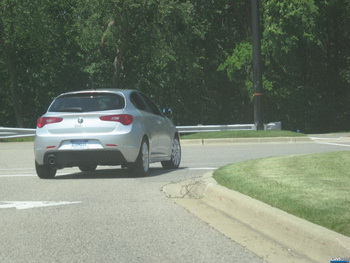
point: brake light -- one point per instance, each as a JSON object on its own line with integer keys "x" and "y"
{"x": 125, "y": 119}
{"x": 42, "y": 121}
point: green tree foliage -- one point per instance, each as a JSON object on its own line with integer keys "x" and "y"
{"x": 306, "y": 57}
{"x": 290, "y": 38}
{"x": 139, "y": 44}
{"x": 38, "y": 58}
{"x": 193, "y": 56}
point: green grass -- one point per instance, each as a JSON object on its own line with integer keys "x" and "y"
{"x": 314, "y": 187}
{"x": 241, "y": 134}
{"x": 24, "y": 139}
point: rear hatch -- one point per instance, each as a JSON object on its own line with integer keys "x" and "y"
{"x": 82, "y": 112}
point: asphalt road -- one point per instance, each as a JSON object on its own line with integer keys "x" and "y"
{"x": 114, "y": 217}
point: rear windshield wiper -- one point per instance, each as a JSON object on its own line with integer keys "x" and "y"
{"x": 72, "y": 109}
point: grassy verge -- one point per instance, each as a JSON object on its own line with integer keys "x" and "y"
{"x": 24, "y": 139}
{"x": 314, "y": 187}
{"x": 241, "y": 134}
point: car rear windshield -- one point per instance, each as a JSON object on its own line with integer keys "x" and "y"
{"x": 87, "y": 102}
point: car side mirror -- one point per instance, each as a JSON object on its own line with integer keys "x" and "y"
{"x": 167, "y": 111}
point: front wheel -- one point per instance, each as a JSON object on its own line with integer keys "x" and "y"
{"x": 175, "y": 160}
{"x": 45, "y": 171}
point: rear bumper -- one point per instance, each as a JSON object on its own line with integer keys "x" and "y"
{"x": 76, "y": 158}
{"x": 113, "y": 150}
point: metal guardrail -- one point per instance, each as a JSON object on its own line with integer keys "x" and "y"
{"x": 234, "y": 127}
{"x": 211, "y": 128}
{"x": 273, "y": 126}
{"x": 7, "y": 133}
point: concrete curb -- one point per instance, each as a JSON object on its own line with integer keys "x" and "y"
{"x": 246, "y": 140}
{"x": 304, "y": 237}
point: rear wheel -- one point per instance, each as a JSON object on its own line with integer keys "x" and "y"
{"x": 88, "y": 167}
{"x": 141, "y": 166}
{"x": 175, "y": 160}
{"x": 45, "y": 171}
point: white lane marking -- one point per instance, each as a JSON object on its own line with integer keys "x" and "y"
{"x": 325, "y": 138}
{"x": 336, "y": 144}
{"x": 16, "y": 175}
{"x": 14, "y": 169}
{"x": 34, "y": 175}
{"x": 19, "y": 205}
{"x": 26, "y": 175}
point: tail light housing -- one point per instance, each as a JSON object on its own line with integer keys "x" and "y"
{"x": 42, "y": 121}
{"x": 124, "y": 119}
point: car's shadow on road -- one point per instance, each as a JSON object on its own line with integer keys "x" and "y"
{"x": 114, "y": 174}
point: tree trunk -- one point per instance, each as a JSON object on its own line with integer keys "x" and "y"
{"x": 14, "y": 94}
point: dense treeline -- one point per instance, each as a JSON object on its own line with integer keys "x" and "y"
{"x": 194, "y": 56}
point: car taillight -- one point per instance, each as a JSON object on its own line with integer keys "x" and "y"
{"x": 42, "y": 121}
{"x": 125, "y": 119}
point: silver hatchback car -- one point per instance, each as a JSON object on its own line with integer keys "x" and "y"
{"x": 104, "y": 127}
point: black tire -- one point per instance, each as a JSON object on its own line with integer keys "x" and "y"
{"x": 175, "y": 160}
{"x": 88, "y": 167}
{"x": 141, "y": 166}
{"x": 45, "y": 171}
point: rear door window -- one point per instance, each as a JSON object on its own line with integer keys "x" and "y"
{"x": 137, "y": 101}
{"x": 88, "y": 102}
{"x": 151, "y": 107}
{"x": 142, "y": 102}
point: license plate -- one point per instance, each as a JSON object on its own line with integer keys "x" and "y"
{"x": 78, "y": 144}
